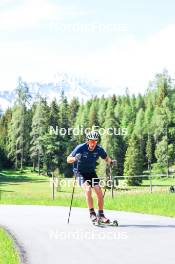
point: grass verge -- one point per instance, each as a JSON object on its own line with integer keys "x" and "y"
{"x": 8, "y": 252}
{"x": 32, "y": 189}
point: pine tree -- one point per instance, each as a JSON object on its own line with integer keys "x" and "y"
{"x": 4, "y": 124}
{"x": 162, "y": 119}
{"x": 18, "y": 130}
{"x": 162, "y": 82}
{"x": 73, "y": 110}
{"x": 78, "y": 124}
{"x": 162, "y": 153}
{"x": 50, "y": 149}
{"x": 3, "y": 159}
{"x": 128, "y": 117}
{"x": 112, "y": 140}
{"x": 51, "y": 140}
{"x": 85, "y": 117}
{"x": 102, "y": 111}
{"x": 39, "y": 129}
{"x": 1, "y": 112}
{"x": 133, "y": 165}
{"x": 54, "y": 114}
{"x": 149, "y": 151}
{"x": 93, "y": 117}
{"x": 148, "y": 117}
{"x": 139, "y": 124}
{"x": 4, "y": 121}
{"x": 140, "y": 102}
{"x": 65, "y": 136}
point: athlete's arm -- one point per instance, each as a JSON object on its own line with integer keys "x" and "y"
{"x": 74, "y": 155}
{"x": 108, "y": 160}
{"x": 71, "y": 159}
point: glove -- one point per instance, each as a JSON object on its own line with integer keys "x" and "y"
{"x": 78, "y": 156}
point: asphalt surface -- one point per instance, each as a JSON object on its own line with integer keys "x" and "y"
{"x": 45, "y": 237}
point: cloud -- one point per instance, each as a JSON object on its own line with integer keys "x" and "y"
{"x": 4, "y": 3}
{"x": 31, "y": 14}
{"x": 27, "y": 15}
{"x": 129, "y": 62}
{"x": 132, "y": 63}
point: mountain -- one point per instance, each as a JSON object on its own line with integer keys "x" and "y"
{"x": 72, "y": 86}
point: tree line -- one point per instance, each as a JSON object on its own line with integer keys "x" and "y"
{"x": 144, "y": 126}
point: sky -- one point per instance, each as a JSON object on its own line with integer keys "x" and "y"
{"x": 117, "y": 43}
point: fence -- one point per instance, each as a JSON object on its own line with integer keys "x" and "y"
{"x": 110, "y": 183}
{"x": 118, "y": 183}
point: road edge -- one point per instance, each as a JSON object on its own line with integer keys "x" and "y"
{"x": 18, "y": 246}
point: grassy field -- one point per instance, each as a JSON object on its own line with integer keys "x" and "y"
{"x": 30, "y": 188}
{"x": 8, "y": 253}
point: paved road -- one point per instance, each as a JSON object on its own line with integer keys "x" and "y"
{"x": 43, "y": 232}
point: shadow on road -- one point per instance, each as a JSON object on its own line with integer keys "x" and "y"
{"x": 149, "y": 226}
{"x": 137, "y": 226}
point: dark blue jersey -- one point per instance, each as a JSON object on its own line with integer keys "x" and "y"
{"x": 88, "y": 159}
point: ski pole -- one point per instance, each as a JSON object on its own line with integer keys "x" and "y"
{"x": 78, "y": 156}
{"x": 106, "y": 182}
{"x": 71, "y": 200}
{"x": 111, "y": 180}
{"x": 114, "y": 163}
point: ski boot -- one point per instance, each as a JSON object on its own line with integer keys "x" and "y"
{"x": 93, "y": 217}
{"x": 103, "y": 220}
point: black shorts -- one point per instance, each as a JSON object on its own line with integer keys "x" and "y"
{"x": 90, "y": 177}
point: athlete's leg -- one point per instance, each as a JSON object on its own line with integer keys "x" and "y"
{"x": 88, "y": 193}
{"x": 99, "y": 194}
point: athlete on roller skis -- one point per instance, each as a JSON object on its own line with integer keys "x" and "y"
{"x": 84, "y": 157}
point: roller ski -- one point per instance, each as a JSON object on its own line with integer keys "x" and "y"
{"x": 103, "y": 221}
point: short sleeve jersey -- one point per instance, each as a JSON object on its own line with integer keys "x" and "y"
{"x": 88, "y": 159}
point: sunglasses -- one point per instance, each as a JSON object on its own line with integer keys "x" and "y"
{"x": 92, "y": 141}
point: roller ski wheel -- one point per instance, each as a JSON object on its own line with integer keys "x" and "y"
{"x": 115, "y": 223}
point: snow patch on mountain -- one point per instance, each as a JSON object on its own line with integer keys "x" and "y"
{"x": 73, "y": 86}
